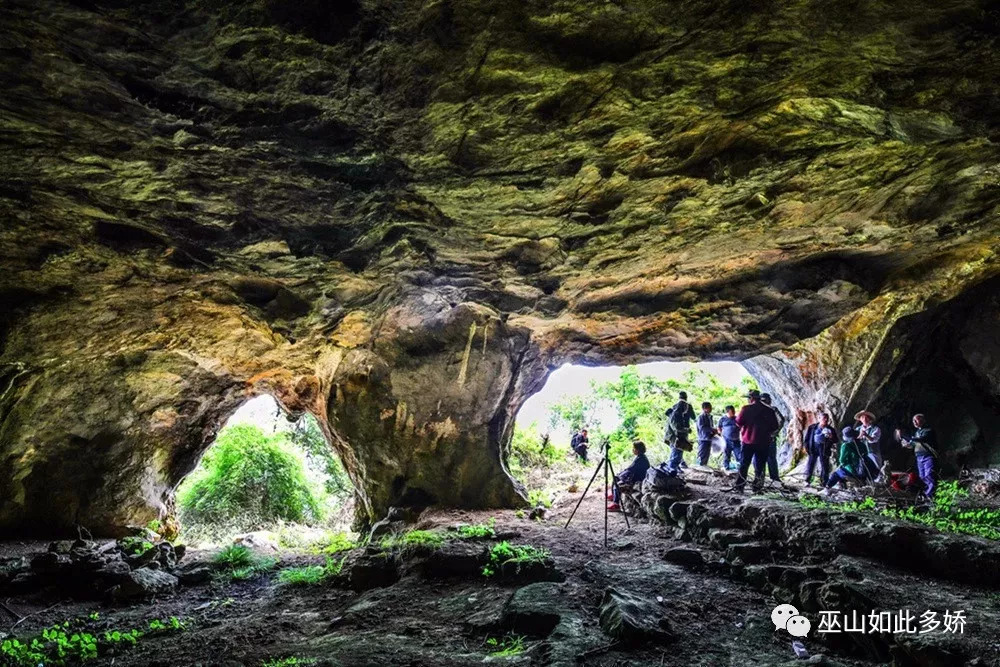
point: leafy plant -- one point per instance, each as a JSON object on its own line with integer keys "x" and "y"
{"x": 478, "y": 530}
{"x": 518, "y": 555}
{"x": 338, "y": 542}
{"x": 505, "y": 647}
{"x": 134, "y": 545}
{"x": 69, "y": 642}
{"x": 249, "y": 474}
{"x": 540, "y": 497}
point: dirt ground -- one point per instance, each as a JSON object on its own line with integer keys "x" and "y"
{"x": 447, "y": 621}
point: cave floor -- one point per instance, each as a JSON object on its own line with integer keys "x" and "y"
{"x": 433, "y": 621}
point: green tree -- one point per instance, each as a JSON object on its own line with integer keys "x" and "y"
{"x": 251, "y": 479}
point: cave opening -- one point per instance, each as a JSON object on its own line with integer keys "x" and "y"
{"x": 618, "y": 404}
{"x": 267, "y": 473}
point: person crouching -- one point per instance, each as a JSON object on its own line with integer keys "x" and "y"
{"x": 850, "y": 460}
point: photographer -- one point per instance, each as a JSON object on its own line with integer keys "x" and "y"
{"x": 633, "y": 474}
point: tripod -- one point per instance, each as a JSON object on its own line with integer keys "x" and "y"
{"x": 605, "y": 463}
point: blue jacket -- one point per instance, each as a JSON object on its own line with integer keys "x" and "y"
{"x": 730, "y": 429}
{"x": 636, "y": 471}
{"x": 706, "y": 429}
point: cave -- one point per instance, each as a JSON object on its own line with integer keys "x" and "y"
{"x": 401, "y": 217}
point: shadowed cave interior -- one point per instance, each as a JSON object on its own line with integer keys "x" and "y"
{"x": 398, "y": 218}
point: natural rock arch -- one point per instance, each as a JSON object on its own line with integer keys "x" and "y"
{"x": 199, "y": 207}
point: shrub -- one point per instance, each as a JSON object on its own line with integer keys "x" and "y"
{"x": 251, "y": 475}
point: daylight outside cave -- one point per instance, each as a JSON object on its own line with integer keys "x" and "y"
{"x": 442, "y": 236}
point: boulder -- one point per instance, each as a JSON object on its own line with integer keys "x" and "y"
{"x": 376, "y": 569}
{"x": 534, "y": 609}
{"x": 455, "y": 558}
{"x": 142, "y": 583}
{"x": 634, "y": 619}
{"x": 749, "y": 552}
{"x": 194, "y": 576}
{"x": 685, "y": 556}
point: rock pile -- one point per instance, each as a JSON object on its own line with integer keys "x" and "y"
{"x": 130, "y": 568}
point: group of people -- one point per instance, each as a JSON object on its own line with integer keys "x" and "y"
{"x": 859, "y": 454}
{"x": 751, "y": 438}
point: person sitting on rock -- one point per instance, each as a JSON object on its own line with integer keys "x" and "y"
{"x": 923, "y": 442}
{"x": 706, "y": 431}
{"x": 579, "y": 444}
{"x": 818, "y": 441}
{"x": 852, "y": 452}
{"x": 730, "y": 431}
{"x": 633, "y": 474}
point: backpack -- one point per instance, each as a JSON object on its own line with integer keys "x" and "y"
{"x": 660, "y": 480}
{"x": 680, "y": 415}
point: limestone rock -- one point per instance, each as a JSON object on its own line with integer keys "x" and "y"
{"x": 208, "y": 207}
{"x": 634, "y": 619}
{"x": 535, "y": 609}
{"x": 144, "y": 582}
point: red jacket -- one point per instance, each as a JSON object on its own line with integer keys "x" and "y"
{"x": 757, "y": 424}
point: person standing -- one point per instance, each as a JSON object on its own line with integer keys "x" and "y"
{"x": 757, "y": 423}
{"x": 923, "y": 442}
{"x": 680, "y": 418}
{"x": 579, "y": 444}
{"x": 819, "y": 440}
{"x": 850, "y": 458}
{"x": 730, "y": 431}
{"x": 706, "y": 431}
{"x": 772, "y": 452}
{"x": 871, "y": 435}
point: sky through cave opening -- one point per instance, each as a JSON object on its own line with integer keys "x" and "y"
{"x": 266, "y": 471}
{"x": 617, "y": 403}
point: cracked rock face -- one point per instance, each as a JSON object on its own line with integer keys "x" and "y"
{"x": 399, "y": 215}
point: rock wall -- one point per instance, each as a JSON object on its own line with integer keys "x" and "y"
{"x": 399, "y": 215}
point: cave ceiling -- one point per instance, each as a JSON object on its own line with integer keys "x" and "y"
{"x": 399, "y": 215}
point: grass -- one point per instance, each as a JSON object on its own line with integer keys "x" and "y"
{"x": 505, "y": 647}
{"x": 414, "y": 539}
{"x": 239, "y": 563}
{"x": 944, "y": 514}
{"x": 311, "y": 575}
{"x": 519, "y": 555}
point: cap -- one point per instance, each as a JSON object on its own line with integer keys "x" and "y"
{"x": 870, "y": 414}
{"x": 848, "y": 432}
{"x": 765, "y": 396}
{"x": 754, "y": 393}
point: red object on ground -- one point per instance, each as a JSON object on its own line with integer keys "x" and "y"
{"x": 613, "y": 507}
